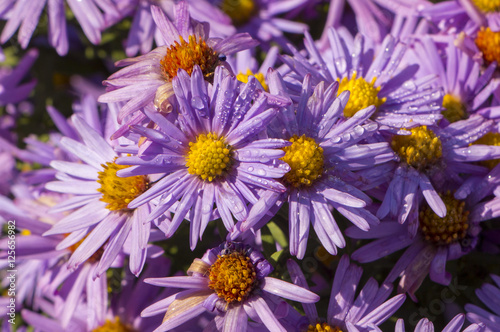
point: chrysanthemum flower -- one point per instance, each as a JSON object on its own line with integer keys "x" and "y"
{"x": 25, "y": 14}
{"x": 346, "y": 312}
{"x": 231, "y": 281}
{"x": 211, "y": 154}
{"x": 434, "y": 157}
{"x": 325, "y": 157}
{"x": 147, "y": 79}
{"x": 489, "y": 295}
{"x": 454, "y": 325}
{"x": 373, "y": 75}
{"x": 437, "y": 240}
{"x": 100, "y": 221}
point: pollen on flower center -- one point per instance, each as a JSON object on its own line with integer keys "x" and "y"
{"x": 454, "y": 109}
{"x": 488, "y": 43}
{"x": 305, "y": 158}
{"x": 113, "y": 326}
{"x": 232, "y": 277}
{"x": 209, "y": 157}
{"x": 240, "y": 11}
{"x": 323, "y": 327}
{"x": 259, "y": 76}
{"x": 419, "y": 149}
{"x": 487, "y": 6}
{"x": 489, "y": 139}
{"x": 188, "y": 54}
{"x": 452, "y": 228}
{"x": 363, "y": 94}
{"x": 117, "y": 191}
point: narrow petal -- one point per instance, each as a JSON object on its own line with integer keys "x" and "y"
{"x": 288, "y": 291}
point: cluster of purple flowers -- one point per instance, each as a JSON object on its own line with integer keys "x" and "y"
{"x": 239, "y": 127}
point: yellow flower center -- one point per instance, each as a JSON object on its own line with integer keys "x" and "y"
{"x": 452, "y": 228}
{"x": 240, "y": 11}
{"x": 25, "y": 232}
{"x": 232, "y": 277}
{"x": 209, "y": 157}
{"x": 487, "y": 6}
{"x": 419, "y": 149}
{"x": 188, "y": 54}
{"x": 114, "y": 326}
{"x": 363, "y": 94}
{"x": 489, "y": 139}
{"x": 488, "y": 43}
{"x": 259, "y": 76}
{"x": 454, "y": 109}
{"x": 323, "y": 327}
{"x": 117, "y": 191}
{"x": 305, "y": 158}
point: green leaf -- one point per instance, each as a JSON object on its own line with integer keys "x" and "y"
{"x": 277, "y": 234}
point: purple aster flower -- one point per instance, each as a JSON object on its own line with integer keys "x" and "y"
{"x": 259, "y": 18}
{"x": 346, "y": 312}
{"x": 211, "y": 153}
{"x": 24, "y": 15}
{"x": 434, "y": 157}
{"x": 458, "y": 15}
{"x": 11, "y": 91}
{"x": 102, "y": 217}
{"x": 147, "y": 79}
{"x": 119, "y": 314}
{"x": 40, "y": 260}
{"x": 437, "y": 240}
{"x": 327, "y": 163}
{"x": 373, "y": 75}
{"x": 466, "y": 85}
{"x": 231, "y": 281}
{"x": 489, "y": 295}
{"x": 244, "y": 64}
{"x": 455, "y": 325}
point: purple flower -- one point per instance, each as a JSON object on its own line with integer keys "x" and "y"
{"x": 346, "y": 312}
{"x": 11, "y": 91}
{"x": 489, "y": 295}
{"x": 210, "y": 152}
{"x": 118, "y": 313}
{"x": 42, "y": 261}
{"x": 24, "y": 15}
{"x": 257, "y": 17}
{"x": 327, "y": 163}
{"x": 373, "y": 74}
{"x": 374, "y": 18}
{"x": 99, "y": 213}
{"x": 143, "y": 29}
{"x": 437, "y": 240}
{"x": 464, "y": 15}
{"x": 435, "y": 157}
{"x": 466, "y": 85}
{"x": 231, "y": 281}
{"x": 147, "y": 79}
{"x": 455, "y": 325}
